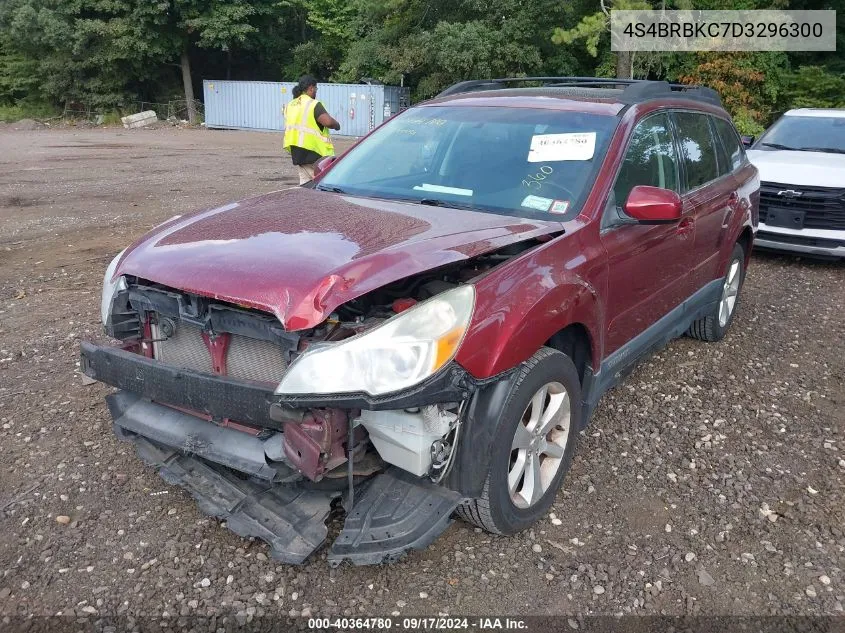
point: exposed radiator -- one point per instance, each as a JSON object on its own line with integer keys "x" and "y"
{"x": 185, "y": 348}
{"x": 246, "y": 358}
{"x": 252, "y": 359}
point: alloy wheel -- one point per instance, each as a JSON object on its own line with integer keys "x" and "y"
{"x": 729, "y": 293}
{"x": 538, "y": 444}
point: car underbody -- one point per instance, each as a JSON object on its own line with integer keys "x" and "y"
{"x": 196, "y": 381}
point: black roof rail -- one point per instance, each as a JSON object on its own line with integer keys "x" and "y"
{"x": 633, "y": 90}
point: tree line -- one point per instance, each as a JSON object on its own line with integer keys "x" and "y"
{"x": 111, "y": 54}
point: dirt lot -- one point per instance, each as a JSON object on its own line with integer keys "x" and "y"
{"x": 711, "y": 482}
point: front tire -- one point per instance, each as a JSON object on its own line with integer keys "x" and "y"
{"x": 714, "y": 326}
{"x": 532, "y": 452}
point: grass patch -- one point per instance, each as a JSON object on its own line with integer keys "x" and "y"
{"x": 28, "y": 111}
{"x": 111, "y": 118}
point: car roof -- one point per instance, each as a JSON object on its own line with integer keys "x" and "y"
{"x": 589, "y": 94}
{"x": 838, "y": 113}
{"x": 601, "y": 101}
{"x": 592, "y": 100}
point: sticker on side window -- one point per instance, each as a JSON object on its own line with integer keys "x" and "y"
{"x": 538, "y": 203}
{"x": 559, "y": 206}
{"x": 555, "y": 147}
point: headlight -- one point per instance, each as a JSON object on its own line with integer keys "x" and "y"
{"x": 400, "y": 353}
{"x": 110, "y": 288}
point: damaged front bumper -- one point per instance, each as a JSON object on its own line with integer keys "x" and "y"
{"x": 394, "y": 511}
{"x": 252, "y": 403}
{"x": 259, "y": 456}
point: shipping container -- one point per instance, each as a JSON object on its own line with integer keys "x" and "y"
{"x": 259, "y": 105}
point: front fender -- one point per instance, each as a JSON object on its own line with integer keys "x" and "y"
{"x": 522, "y": 304}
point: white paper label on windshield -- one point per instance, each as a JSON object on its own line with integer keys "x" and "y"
{"x": 555, "y": 147}
{"x": 536, "y": 202}
{"x": 441, "y": 189}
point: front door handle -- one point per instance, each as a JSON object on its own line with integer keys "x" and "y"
{"x": 685, "y": 228}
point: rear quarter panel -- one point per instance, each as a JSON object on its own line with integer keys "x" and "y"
{"x": 748, "y": 189}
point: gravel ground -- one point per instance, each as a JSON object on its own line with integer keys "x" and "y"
{"x": 710, "y": 482}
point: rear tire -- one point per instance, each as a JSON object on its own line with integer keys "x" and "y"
{"x": 714, "y": 326}
{"x": 532, "y": 452}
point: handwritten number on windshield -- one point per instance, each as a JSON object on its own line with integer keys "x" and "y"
{"x": 535, "y": 180}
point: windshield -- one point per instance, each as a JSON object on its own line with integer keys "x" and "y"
{"x": 805, "y": 133}
{"x": 518, "y": 161}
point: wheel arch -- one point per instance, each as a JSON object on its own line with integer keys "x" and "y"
{"x": 483, "y": 418}
{"x": 575, "y": 341}
{"x": 746, "y": 239}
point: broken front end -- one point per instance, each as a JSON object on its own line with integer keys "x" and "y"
{"x": 270, "y": 429}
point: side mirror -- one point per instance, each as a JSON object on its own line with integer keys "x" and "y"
{"x": 653, "y": 205}
{"x": 323, "y": 164}
{"x": 747, "y": 141}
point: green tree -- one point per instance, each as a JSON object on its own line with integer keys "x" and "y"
{"x": 63, "y": 45}
{"x": 325, "y": 30}
{"x": 103, "y": 52}
{"x": 19, "y": 78}
{"x": 592, "y": 29}
{"x": 430, "y": 44}
{"x": 813, "y": 87}
{"x": 209, "y": 24}
{"x": 110, "y": 53}
{"x": 749, "y": 83}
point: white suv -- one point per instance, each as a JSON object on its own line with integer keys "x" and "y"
{"x": 801, "y": 160}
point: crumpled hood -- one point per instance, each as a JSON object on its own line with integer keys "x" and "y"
{"x": 811, "y": 169}
{"x": 301, "y": 253}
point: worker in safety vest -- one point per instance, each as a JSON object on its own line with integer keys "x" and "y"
{"x": 306, "y": 129}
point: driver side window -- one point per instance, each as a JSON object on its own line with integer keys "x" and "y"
{"x": 650, "y": 160}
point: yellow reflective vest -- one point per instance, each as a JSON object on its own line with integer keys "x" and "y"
{"x": 302, "y": 130}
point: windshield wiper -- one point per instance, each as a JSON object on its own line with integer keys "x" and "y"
{"x": 786, "y": 147}
{"x": 332, "y": 189}
{"x": 432, "y": 202}
{"x": 437, "y": 202}
{"x": 829, "y": 150}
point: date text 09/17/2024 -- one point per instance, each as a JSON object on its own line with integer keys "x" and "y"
{"x": 418, "y": 623}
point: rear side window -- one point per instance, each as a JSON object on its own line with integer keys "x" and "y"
{"x": 731, "y": 142}
{"x": 650, "y": 159}
{"x": 698, "y": 148}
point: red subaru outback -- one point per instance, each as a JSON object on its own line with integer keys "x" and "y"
{"x": 426, "y": 326}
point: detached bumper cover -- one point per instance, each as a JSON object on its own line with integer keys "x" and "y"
{"x": 394, "y": 512}
{"x": 291, "y": 519}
